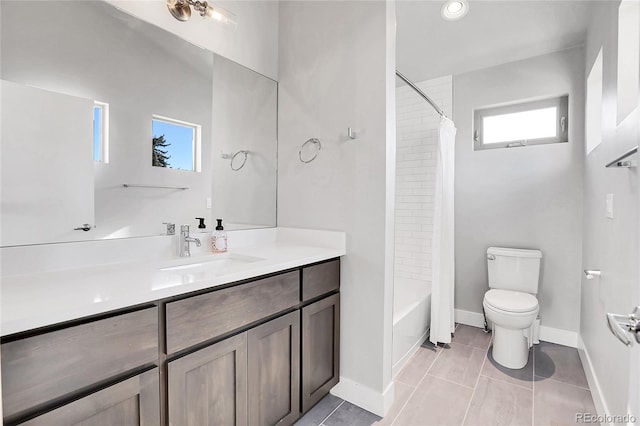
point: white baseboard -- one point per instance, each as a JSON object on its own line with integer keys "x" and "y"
{"x": 474, "y": 319}
{"x": 365, "y": 397}
{"x": 592, "y": 379}
{"x": 561, "y": 337}
{"x": 547, "y": 334}
{"x": 402, "y": 361}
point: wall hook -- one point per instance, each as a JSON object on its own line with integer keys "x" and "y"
{"x": 351, "y": 133}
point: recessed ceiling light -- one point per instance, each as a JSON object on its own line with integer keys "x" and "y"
{"x": 454, "y": 9}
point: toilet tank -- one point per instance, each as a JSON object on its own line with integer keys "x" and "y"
{"x": 514, "y": 269}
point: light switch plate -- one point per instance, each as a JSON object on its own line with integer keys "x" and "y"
{"x": 610, "y": 206}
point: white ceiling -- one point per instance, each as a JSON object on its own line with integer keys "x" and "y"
{"x": 492, "y": 33}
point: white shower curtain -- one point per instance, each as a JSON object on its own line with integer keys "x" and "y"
{"x": 442, "y": 245}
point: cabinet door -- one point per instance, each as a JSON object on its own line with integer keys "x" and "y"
{"x": 274, "y": 371}
{"x": 53, "y": 366}
{"x": 209, "y": 386}
{"x": 320, "y": 349}
{"x": 135, "y": 401}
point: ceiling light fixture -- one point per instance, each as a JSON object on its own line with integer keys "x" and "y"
{"x": 453, "y": 10}
{"x": 181, "y": 10}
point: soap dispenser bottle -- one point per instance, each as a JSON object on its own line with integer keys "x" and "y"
{"x": 201, "y": 224}
{"x": 219, "y": 239}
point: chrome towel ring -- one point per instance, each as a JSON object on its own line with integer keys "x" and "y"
{"x": 316, "y": 143}
{"x": 244, "y": 161}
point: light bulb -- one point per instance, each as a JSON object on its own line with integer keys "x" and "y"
{"x": 455, "y": 7}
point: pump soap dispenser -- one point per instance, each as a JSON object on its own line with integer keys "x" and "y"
{"x": 219, "y": 239}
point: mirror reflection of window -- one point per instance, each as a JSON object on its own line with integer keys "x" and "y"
{"x": 174, "y": 144}
{"x": 100, "y": 132}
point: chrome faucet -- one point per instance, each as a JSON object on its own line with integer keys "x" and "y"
{"x": 185, "y": 239}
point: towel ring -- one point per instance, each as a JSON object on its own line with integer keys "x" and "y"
{"x": 235, "y": 169}
{"x": 314, "y": 141}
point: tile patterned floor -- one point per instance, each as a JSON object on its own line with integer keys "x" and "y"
{"x": 461, "y": 384}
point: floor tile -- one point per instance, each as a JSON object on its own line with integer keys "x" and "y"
{"x": 460, "y": 364}
{"x": 417, "y": 366}
{"x": 499, "y": 403}
{"x": 522, "y": 377}
{"x": 558, "y": 403}
{"x": 472, "y": 336}
{"x": 351, "y": 415}
{"x": 320, "y": 411}
{"x": 435, "y": 402}
{"x": 560, "y": 363}
{"x": 402, "y": 394}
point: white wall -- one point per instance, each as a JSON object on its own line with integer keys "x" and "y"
{"x": 610, "y": 245}
{"x": 337, "y": 71}
{"x": 245, "y": 117}
{"x": 527, "y": 197}
{"x": 417, "y": 138}
{"x": 253, "y": 44}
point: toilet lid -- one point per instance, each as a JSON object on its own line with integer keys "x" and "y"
{"x": 512, "y": 301}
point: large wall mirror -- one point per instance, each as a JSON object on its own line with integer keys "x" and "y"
{"x": 113, "y": 123}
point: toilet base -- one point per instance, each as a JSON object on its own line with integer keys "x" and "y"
{"x": 510, "y": 347}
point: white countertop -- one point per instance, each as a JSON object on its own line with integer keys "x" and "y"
{"x": 32, "y": 300}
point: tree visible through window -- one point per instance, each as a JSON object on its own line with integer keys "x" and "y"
{"x": 174, "y": 144}
{"x": 160, "y": 157}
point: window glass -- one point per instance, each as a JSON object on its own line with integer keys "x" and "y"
{"x": 174, "y": 144}
{"x": 521, "y": 124}
{"x": 535, "y": 124}
{"x": 594, "y": 105}
{"x": 100, "y": 132}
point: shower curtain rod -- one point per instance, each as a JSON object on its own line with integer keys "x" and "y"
{"x": 421, "y": 93}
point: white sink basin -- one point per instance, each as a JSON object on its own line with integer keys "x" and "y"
{"x": 210, "y": 264}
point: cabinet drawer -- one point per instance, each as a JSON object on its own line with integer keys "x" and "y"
{"x": 135, "y": 401}
{"x": 48, "y": 366}
{"x": 320, "y": 279}
{"x": 196, "y": 319}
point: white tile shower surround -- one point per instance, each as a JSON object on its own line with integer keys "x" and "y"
{"x": 417, "y": 137}
{"x": 461, "y": 385}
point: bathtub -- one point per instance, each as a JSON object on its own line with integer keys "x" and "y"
{"x": 411, "y": 318}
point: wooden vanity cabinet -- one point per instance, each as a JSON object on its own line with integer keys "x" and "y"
{"x": 209, "y": 386}
{"x": 320, "y": 349}
{"x": 274, "y": 371}
{"x": 195, "y": 319}
{"x": 43, "y": 370}
{"x": 132, "y": 402}
{"x": 250, "y": 378}
{"x": 256, "y": 353}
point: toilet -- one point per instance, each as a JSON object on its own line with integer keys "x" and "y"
{"x": 510, "y": 304}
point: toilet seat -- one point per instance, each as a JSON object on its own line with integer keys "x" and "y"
{"x": 509, "y": 301}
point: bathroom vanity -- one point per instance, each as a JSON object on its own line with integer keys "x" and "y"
{"x": 259, "y": 350}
